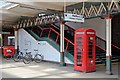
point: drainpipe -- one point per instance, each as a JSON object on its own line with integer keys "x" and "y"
{"x": 1, "y": 42}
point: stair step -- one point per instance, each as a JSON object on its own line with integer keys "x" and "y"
{"x": 70, "y": 51}
{"x": 115, "y": 60}
{"x": 98, "y": 62}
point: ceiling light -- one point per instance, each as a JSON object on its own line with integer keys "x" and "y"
{"x": 11, "y": 6}
{"x": 41, "y": 14}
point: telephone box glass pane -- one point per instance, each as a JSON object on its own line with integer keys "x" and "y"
{"x": 90, "y": 47}
{"x": 79, "y": 51}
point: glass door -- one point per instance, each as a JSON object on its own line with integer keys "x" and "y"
{"x": 79, "y": 46}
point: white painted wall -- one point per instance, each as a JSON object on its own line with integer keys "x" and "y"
{"x": 95, "y": 23}
{"x": 26, "y": 41}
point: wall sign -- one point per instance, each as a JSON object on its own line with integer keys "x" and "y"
{"x": 79, "y": 32}
{"x": 73, "y": 17}
{"x": 90, "y": 33}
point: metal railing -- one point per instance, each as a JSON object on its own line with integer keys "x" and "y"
{"x": 51, "y": 30}
{"x": 100, "y": 43}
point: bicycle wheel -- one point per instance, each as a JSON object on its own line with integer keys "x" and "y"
{"x": 27, "y": 59}
{"x": 38, "y": 58}
{"x": 17, "y": 57}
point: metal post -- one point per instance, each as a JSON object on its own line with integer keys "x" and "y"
{"x": 108, "y": 46}
{"x": 16, "y": 40}
{"x": 62, "y": 63}
{"x": 1, "y": 42}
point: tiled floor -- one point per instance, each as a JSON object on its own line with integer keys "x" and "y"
{"x": 11, "y": 69}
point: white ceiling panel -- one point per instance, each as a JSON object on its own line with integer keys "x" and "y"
{"x": 14, "y": 9}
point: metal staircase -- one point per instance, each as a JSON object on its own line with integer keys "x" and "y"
{"x": 51, "y": 34}
{"x": 50, "y": 40}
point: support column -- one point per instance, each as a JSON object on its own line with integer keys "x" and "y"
{"x": 16, "y": 40}
{"x": 1, "y": 41}
{"x": 62, "y": 62}
{"x": 108, "y": 45}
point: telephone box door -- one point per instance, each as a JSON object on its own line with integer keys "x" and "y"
{"x": 79, "y": 51}
{"x": 91, "y": 53}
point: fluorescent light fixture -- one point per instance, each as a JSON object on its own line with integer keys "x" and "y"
{"x": 41, "y": 14}
{"x": 11, "y": 6}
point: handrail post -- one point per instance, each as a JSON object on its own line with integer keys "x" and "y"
{"x": 67, "y": 46}
{"x": 57, "y": 38}
{"x": 41, "y": 33}
{"x": 49, "y": 33}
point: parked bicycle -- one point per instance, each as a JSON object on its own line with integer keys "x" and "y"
{"x": 18, "y": 56}
{"x": 29, "y": 57}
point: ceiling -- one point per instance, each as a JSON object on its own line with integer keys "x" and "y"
{"x": 12, "y": 10}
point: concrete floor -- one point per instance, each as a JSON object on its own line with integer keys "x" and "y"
{"x": 11, "y": 69}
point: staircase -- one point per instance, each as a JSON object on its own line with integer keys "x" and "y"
{"x": 51, "y": 34}
{"x": 101, "y": 50}
{"x": 50, "y": 39}
{"x": 100, "y": 47}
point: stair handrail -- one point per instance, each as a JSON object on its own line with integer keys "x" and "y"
{"x": 96, "y": 37}
{"x": 115, "y": 46}
{"x": 58, "y": 34}
{"x": 42, "y": 28}
{"x": 64, "y": 37}
{"x": 70, "y": 27}
{"x": 111, "y": 44}
{"x": 54, "y": 26}
{"x": 64, "y": 24}
{"x": 100, "y": 47}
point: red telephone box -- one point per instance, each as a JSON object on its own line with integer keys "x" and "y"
{"x": 85, "y": 50}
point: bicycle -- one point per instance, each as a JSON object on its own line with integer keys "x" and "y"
{"x": 18, "y": 56}
{"x": 29, "y": 57}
